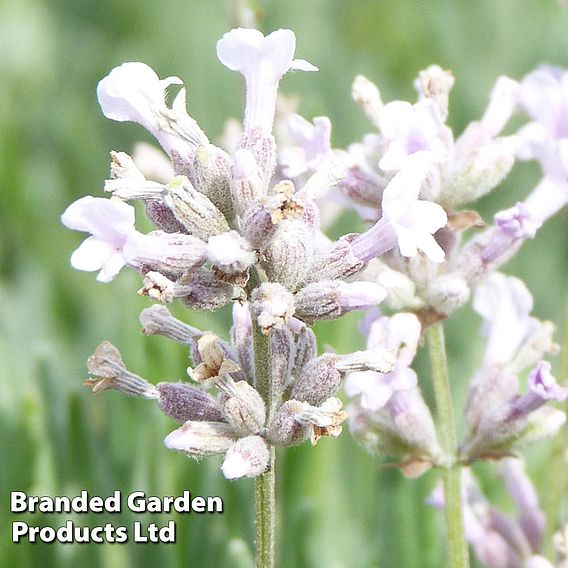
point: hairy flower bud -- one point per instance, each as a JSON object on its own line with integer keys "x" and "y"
{"x": 305, "y": 349}
{"x": 162, "y": 217}
{"x": 435, "y": 83}
{"x": 447, "y": 293}
{"x": 183, "y": 402}
{"x": 281, "y": 358}
{"x": 157, "y": 320}
{"x": 241, "y": 338}
{"x": 242, "y": 406}
{"x": 249, "y": 457}
{"x": 331, "y": 299}
{"x": 318, "y": 380}
{"x": 199, "y": 439}
{"x": 290, "y": 253}
{"x": 380, "y": 360}
{"x": 210, "y": 173}
{"x": 170, "y": 253}
{"x": 339, "y": 262}
{"x": 246, "y": 185}
{"x": 284, "y": 429}
{"x": 258, "y": 226}
{"x": 205, "y": 291}
{"x": 194, "y": 210}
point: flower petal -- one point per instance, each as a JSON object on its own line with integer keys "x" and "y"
{"x": 91, "y": 254}
{"x": 108, "y": 219}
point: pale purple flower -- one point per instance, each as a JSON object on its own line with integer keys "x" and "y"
{"x": 312, "y": 145}
{"x": 399, "y": 334}
{"x": 548, "y": 197}
{"x": 503, "y": 101}
{"x": 406, "y": 221}
{"x": 544, "y": 97}
{"x": 504, "y": 303}
{"x": 544, "y": 385}
{"x": 412, "y": 128}
{"x": 110, "y": 223}
{"x": 132, "y": 92}
{"x": 531, "y": 518}
{"x": 262, "y": 61}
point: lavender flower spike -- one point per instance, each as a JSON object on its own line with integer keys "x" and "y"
{"x": 262, "y": 61}
{"x": 407, "y": 221}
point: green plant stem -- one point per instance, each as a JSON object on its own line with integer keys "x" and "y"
{"x": 458, "y": 554}
{"x": 555, "y": 505}
{"x": 265, "y": 498}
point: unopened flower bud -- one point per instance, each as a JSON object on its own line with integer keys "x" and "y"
{"x": 305, "y": 348}
{"x": 230, "y": 252}
{"x": 171, "y": 253}
{"x": 246, "y": 186}
{"x": 380, "y": 360}
{"x": 249, "y": 457}
{"x": 157, "y": 320}
{"x": 284, "y": 429}
{"x": 290, "y": 253}
{"x": 162, "y": 217}
{"x": 435, "y": 83}
{"x": 281, "y": 359}
{"x": 242, "y": 406}
{"x": 331, "y": 299}
{"x": 257, "y": 226}
{"x": 199, "y": 439}
{"x": 241, "y": 339}
{"x": 447, "y": 293}
{"x": 182, "y": 402}
{"x": 110, "y": 373}
{"x": 366, "y": 94}
{"x": 194, "y": 210}
{"x": 339, "y": 262}
{"x": 480, "y": 164}
{"x": 318, "y": 380}
{"x": 206, "y": 291}
{"x": 271, "y": 305}
{"x": 211, "y": 175}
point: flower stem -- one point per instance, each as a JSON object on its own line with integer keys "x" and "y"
{"x": 457, "y": 545}
{"x": 555, "y": 502}
{"x": 265, "y": 498}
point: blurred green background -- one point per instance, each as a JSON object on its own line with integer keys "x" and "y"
{"x": 337, "y": 506}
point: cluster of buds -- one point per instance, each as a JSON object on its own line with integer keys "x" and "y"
{"x": 222, "y": 412}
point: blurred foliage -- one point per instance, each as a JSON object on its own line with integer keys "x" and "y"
{"x": 338, "y": 506}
